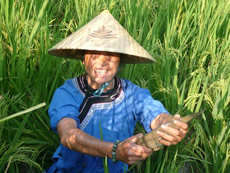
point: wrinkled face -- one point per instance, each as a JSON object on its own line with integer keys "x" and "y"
{"x": 100, "y": 67}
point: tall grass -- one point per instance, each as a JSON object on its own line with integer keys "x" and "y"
{"x": 189, "y": 39}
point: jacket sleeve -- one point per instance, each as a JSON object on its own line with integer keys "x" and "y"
{"x": 64, "y": 104}
{"x": 146, "y": 109}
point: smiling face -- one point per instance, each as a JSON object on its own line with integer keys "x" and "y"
{"x": 100, "y": 67}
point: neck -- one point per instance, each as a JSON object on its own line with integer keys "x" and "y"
{"x": 94, "y": 85}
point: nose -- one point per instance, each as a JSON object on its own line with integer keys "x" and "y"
{"x": 103, "y": 60}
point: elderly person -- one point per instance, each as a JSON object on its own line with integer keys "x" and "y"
{"x": 95, "y": 114}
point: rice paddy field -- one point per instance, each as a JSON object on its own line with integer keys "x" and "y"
{"x": 190, "y": 40}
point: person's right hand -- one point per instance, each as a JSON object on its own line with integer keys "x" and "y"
{"x": 129, "y": 152}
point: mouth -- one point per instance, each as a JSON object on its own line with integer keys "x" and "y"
{"x": 100, "y": 71}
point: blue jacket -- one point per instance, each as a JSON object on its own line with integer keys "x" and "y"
{"x": 114, "y": 119}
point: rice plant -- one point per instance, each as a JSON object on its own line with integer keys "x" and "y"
{"x": 189, "y": 39}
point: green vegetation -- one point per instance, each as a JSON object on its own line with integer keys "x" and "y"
{"x": 189, "y": 39}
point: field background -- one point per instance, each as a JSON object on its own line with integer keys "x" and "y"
{"x": 190, "y": 40}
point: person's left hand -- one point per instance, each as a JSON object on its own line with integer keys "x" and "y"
{"x": 171, "y": 136}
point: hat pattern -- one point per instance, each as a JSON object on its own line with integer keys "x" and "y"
{"x": 103, "y": 33}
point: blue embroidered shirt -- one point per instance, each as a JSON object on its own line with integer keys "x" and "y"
{"x": 114, "y": 120}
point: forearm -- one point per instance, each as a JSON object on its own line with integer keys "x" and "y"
{"x": 80, "y": 141}
{"x": 76, "y": 139}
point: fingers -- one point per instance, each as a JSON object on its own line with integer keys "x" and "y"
{"x": 135, "y": 137}
{"x": 134, "y": 156}
{"x": 171, "y": 135}
{"x": 138, "y": 150}
{"x": 167, "y": 139}
{"x": 177, "y": 116}
{"x": 128, "y": 151}
{"x": 181, "y": 124}
{"x": 184, "y": 131}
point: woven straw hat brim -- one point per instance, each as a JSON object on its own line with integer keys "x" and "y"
{"x": 78, "y": 54}
{"x": 103, "y": 33}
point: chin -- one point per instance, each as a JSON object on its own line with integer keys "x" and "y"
{"x": 102, "y": 81}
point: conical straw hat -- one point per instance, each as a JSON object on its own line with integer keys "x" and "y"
{"x": 103, "y": 33}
